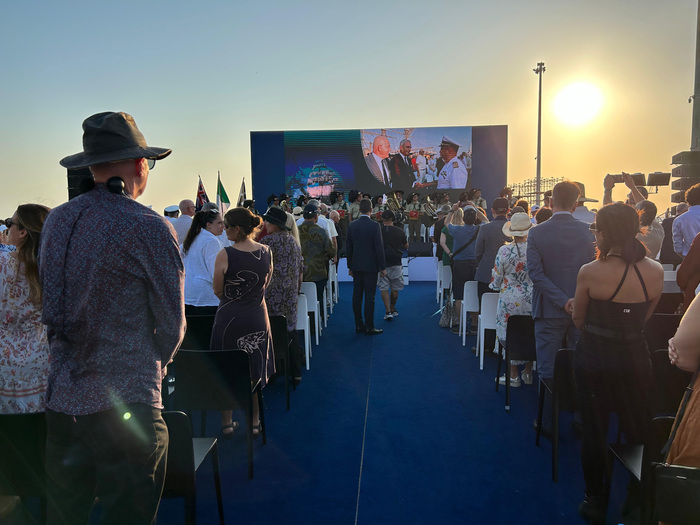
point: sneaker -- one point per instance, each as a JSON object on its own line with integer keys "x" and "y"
{"x": 395, "y": 313}
{"x": 514, "y": 381}
{"x": 527, "y": 378}
{"x": 388, "y": 317}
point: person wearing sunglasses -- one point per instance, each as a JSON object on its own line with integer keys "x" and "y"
{"x": 23, "y": 374}
{"x": 113, "y": 281}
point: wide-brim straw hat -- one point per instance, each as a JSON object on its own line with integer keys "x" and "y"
{"x": 582, "y": 193}
{"x": 518, "y": 226}
{"x": 111, "y": 137}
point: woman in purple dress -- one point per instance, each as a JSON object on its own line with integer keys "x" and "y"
{"x": 282, "y": 296}
{"x": 242, "y": 272}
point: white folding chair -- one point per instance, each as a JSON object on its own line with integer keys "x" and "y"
{"x": 446, "y": 283}
{"x": 667, "y": 267}
{"x": 470, "y": 303}
{"x": 439, "y": 280}
{"x": 304, "y": 324}
{"x": 330, "y": 286}
{"x": 313, "y": 306}
{"x": 333, "y": 282}
{"x": 487, "y": 321}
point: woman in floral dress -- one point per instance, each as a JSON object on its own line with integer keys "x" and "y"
{"x": 24, "y": 348}
{"x": 282, "y": 295}
{"x": 510, "y": 278}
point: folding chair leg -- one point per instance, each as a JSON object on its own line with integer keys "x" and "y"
{"x": 555, "y": 437}
{"x": 249, "y": 438}
{"x": 261, "y": 410}
{"x": 498, "y": 369}
{"x": 191, "y": 509}
{"x": 539, "y": 413}
{"x": 217, "y": 481}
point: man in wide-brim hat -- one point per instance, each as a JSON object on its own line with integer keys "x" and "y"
{"x": 112, "y": 282}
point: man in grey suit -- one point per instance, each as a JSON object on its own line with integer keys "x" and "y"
{"x": 489, "y": 240}
{"x": 556, "y": 250}
{"x": 365, "y": 253}
{"x": 378, "y": 165}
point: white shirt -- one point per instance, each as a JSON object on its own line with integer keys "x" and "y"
{"x": 584, "y": 214}
{"x": 685, "y": 227}
{"x": 324, "y": 223}
{"x": 453, "y": 175}
{"x": 182, "y": 226}
{"x": 199, "y": 270}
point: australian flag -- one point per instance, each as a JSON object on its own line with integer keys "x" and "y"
{"x": 202, "y": 198}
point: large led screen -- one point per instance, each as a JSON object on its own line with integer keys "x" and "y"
{"x": 378, "y": 161}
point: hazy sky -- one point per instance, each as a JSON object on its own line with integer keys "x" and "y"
{"x": 198, "y": 77}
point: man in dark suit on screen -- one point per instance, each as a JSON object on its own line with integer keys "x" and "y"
{"x": 402, "y": 174}
{"x": 365, "y": 254}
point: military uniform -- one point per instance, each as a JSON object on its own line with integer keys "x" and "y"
{"x": 354, "y": 210}
{"x": 413, "y": 223}
{"x": 453, "y": 175}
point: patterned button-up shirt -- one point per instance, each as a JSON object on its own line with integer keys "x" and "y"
{"x": 317, "y": 249}
{"x": 113, "y": 284}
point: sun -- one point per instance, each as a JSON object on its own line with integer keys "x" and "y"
{"x": 578, "y": 103}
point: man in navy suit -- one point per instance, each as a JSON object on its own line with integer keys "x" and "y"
{"x": 556, "y": 250}
{"x": 365, "y": 253}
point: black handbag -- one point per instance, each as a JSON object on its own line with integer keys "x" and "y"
{"x": 677, "y": 494}
{"x": 677, "y": 487}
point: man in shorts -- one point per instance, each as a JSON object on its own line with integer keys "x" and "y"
{"x": 394, "y": 243}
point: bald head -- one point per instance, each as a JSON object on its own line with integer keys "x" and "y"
{"x": 187, "y": 207}
{"x": 334, "y": 216}
{"x": 381, "y": 147}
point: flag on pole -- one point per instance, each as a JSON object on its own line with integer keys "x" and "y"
{"x": 222, "y": 200}
{"x": 202, "y": 198}
{"x": 241, "y": 195}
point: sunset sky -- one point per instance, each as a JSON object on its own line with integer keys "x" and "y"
{"x": 198, "y": 77}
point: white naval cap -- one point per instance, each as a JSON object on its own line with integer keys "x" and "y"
{"x": 447, "y": 141}
{"x": 172, "y": 209}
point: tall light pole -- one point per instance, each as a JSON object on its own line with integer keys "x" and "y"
{"x": 538, "y": 71}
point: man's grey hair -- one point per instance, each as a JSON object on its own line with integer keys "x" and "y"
{"x": 404, "y": 142}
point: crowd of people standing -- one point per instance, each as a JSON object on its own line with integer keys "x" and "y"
{"x": 95, "y": 294}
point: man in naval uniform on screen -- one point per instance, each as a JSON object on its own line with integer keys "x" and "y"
{"x": 453, "y": 174}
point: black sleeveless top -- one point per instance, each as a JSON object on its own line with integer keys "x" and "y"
{"x": 619, "y": 318}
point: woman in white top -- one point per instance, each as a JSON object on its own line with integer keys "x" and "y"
{"x": 199, "y": 255}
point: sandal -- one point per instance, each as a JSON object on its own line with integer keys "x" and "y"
{"x": 230, "y": 428}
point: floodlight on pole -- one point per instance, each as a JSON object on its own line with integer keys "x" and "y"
{"x": 538, "y": 71}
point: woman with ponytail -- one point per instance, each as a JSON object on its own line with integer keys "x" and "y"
{"x": 615, "y": 295}
{"x": 24, "y": 349}
{"x": 241, "y": 276}
{"x": 199, "y": 252}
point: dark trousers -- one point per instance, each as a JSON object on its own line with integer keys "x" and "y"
{"x": 297, "y": 358}
{"x": 118, "y": 455}
{"x": 320, "y": 288}
{"x": 610, "y": 377}
{"x": 364, "y": 283}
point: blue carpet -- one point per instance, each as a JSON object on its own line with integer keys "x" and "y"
{"x": 397, "y": 428}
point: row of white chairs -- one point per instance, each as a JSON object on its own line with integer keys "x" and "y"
{"x": 310, "y": 303}
{"x": 470, "y": 303}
